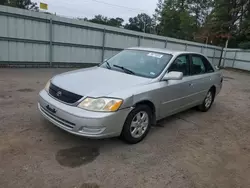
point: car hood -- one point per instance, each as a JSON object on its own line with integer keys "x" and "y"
{"x": 97, "y": 81}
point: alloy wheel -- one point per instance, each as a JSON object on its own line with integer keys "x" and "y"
{"x": 139, "y": 124}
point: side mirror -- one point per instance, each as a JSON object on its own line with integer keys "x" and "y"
{"x": 173, "y": 75}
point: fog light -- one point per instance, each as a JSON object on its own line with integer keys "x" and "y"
{"x": 88, "y": 129}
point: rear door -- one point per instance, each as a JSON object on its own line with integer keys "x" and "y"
{"x": 201, "y": 73}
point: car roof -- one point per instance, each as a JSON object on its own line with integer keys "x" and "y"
{"x": 164, "y": 50}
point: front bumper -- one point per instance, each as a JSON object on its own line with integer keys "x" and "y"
{"x": 79, "y": 121}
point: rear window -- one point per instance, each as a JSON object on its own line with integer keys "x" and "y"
{"x": 200, "y": 65}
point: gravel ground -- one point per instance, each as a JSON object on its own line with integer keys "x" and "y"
{"x": 190, "y": 149}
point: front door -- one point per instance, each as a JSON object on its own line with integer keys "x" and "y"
{"x": 175, "y": 94}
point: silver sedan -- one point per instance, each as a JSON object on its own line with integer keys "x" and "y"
{"x": 129, "y": 92}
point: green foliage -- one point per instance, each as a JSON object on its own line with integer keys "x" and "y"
{"x": 245, "y": 45}
{"x": 23, "y": 4}
{"x": 99, "y": 19}
{"x": 138, "y": 23}
{"x": 205, "y": 20}
{"x": 175, "y": 20}
{"x": 3, "y": 2}
{"x": 232, "y": 17}
{"x": 142, "y": 22}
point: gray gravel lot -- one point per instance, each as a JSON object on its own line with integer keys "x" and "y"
{"x": 190, "y": 149}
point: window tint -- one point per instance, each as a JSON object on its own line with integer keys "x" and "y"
{"x": 208, "y": 66}
{"x": 180, "y": 65}
{"x": 197, "y": 65}
{"x": 200, "y": 65}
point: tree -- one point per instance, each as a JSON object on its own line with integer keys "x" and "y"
{"x": 230, "y": 17}
{"x": 205, "y": 20}
{"x": 157, "y": 18}
{"x": 3, "y": 2}
{"x": 142, "y": 22}
{"x": 116, "y": 22}
{"x": 23, "y": 4}
{"x": 158, "y": 11}
{"x": 175, "y": 19}
{"x": 99, "y": 19}
{"x": 245, "y": 28}
{"x": 201, "y": 10}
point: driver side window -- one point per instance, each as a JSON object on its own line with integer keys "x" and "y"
{"x": 181, "y": 64}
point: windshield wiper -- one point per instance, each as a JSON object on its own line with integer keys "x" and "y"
{"x": 124, "y": 69}
{"x": 107, "y": 64}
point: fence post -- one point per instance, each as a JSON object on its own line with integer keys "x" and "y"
{"x": 201, "y": 49}
{"x": 50, "y": 42}
{"x": 213, "y": 56}
{"x": 166, "y": 43}
{"x": 186, "y": 45}
{"x": 221, "y": 54}
{"x": 103, "y": 43}
{"x": 234, "y": 58}
{"x": 139, "y": 41}
{"x": 225, "y": 56}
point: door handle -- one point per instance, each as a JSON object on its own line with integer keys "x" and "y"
{"x": 191, "y": 84}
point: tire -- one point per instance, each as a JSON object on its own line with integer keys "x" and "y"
{"x": 208, "y": 101}
{"x": 137, "y": 124}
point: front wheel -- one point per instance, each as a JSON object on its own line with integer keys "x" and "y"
{"x": 137, "y": 124}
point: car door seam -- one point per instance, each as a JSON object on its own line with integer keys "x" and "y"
{"x": 184, "y": 97}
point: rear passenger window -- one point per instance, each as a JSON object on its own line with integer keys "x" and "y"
{"x": 208, "y": 66}
{"x": 200, "y": 65}
{"x": 181, "y": 65}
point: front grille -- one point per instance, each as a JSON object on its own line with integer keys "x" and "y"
{"x": 58, "y": 119}
{"x": 63, "y": 95}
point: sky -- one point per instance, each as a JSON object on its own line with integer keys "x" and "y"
{"x": 110, "y": 8}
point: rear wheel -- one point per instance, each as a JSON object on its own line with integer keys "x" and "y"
{"x": 208, "y": 101}
{"x": 137, "y": 124}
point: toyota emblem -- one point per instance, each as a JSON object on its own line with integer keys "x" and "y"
{"x": 59, "y": 94}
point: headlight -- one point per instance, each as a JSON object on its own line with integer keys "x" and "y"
{"x": 101, "y": 104}
{"x": 47, "y": 86}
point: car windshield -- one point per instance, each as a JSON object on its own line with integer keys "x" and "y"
{"x": 138, "y": 62}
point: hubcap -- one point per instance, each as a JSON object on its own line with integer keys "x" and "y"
{"x": 208, "y": 99}
{"x": 139, "y": 124}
